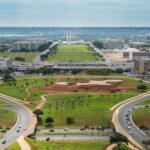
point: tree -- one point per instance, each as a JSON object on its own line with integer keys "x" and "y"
{"x": 38, "y": 112}
{"x": 146, "y": 143}
{"x": 70, "y": 120}
{"x": 142, "y": 87}
{"x": 118, "y": 138}
{"x": 20, "y": 59}
{"x": 98, "y": 44}
{"x": 49, "y": 121}
{"x": 8, "y": 78}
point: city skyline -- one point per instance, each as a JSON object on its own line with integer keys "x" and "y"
{"x": 79, "y": 13}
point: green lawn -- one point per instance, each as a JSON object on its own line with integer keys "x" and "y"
{"x": 141, "y": 117}
{"x": 18, "y": 89}
{"x": 7, "y": 119}
{"x": 43, "y": 145}
{"x": 86, "y": 109}
{"x": 74, "y": 52}
{"x": 14, "y": 146}
{"x": 27, "y": 56}
{"x": 122, "y": 147}
{"x": 2, "y": 103}
{"x": 146, "y": 102}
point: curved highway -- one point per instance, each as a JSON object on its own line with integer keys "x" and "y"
{"x": 123, "y": 123}
{"x": 23, "y": 125}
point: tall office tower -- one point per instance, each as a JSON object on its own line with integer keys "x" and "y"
{"x": 69, "y": 36}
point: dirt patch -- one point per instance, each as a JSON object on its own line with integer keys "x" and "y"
{"x": 92, "y": 82}
{"x": 105, "y": 86}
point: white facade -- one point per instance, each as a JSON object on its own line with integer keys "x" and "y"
{"x": 28, "y": 45}
{"x": 5, "y": 63}
{"x": 69, "y": 37}
{"x": 95, "y": 65}
{"x": 113, "y": 43}
{"x": 27, "y": 65}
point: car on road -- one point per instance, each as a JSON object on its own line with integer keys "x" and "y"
{"x": 17, "y": 131}
{"x": 129, "y": 123}
{"x": 129, "y": 127}
{"x": 66, "y": 129}
{"x": 130, "y": 132}
{"x": 4, "y": 142}
{"x": 128, "y": 119}
{"x": 127, "y": 115}
{"x": 25, "y": 128}
{"x": 51, "y": 130}
{"x": 82, "y": 129}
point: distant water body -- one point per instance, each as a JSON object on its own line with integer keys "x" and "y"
{"x": 80, "y": 33}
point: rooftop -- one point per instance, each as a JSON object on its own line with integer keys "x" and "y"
{"x": 4, "y": 58}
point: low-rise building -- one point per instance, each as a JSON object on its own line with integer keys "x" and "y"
{"x": 113, "y": 43}
{"x": 22, "y": 66}
{"x": 27, "y": 45}
{"x": 142, "y": 65}
{"x": 5, "y": 63}
{"x": 96, "y": 65}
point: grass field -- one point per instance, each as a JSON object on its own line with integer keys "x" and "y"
{"x": 26, "y": 56}
{"x": 141, "y": 117}
{"x": 146, "y": 102}
{"x": 14, "y": 146}
{"x": 86, "y": 109}
{"x": 2, "y": 103}
{"x": 43, "y": 145}
{"x": 18, "y": 89}
{"x": 122, "y": 147}
{"x": 7, "y": 119}
{"x": 74, "y": 52}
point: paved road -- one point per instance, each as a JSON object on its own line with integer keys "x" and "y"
{"x": 72, "y": 137}
{"x": 24, "y": 120}
{"x": 75, "y": 131}
{"x": 122, "y": 116}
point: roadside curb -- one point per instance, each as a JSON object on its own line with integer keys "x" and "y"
{"x": 115, "y": 111}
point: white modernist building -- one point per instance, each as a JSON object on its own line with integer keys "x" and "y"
{"x": 5, "y": 63}
{"x": 22, "y": 66}
{"x": 69, "y": 37}
{"x": 95, "y": 65}
{"x": 28, "y": 44}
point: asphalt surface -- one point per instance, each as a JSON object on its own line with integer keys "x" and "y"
{"x": 75, "y": 131}
{"x": 23, "y": 122}
{"x": 72, "y": 137}
{"x": 126, "y": 122}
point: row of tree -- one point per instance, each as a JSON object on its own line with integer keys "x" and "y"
{"x": 104, "y": 71}
{"x": 49, "y": 120}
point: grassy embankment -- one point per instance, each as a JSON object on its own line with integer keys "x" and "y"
{"x": 84, "y": 145}
{"x": 14, "y": 146}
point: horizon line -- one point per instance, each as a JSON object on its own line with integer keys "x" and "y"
{"x": 75, "y": 27}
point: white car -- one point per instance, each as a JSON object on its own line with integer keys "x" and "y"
{"x": 130, "y": 132}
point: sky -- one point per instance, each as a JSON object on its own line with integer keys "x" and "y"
{"x": 75, "y": 13}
